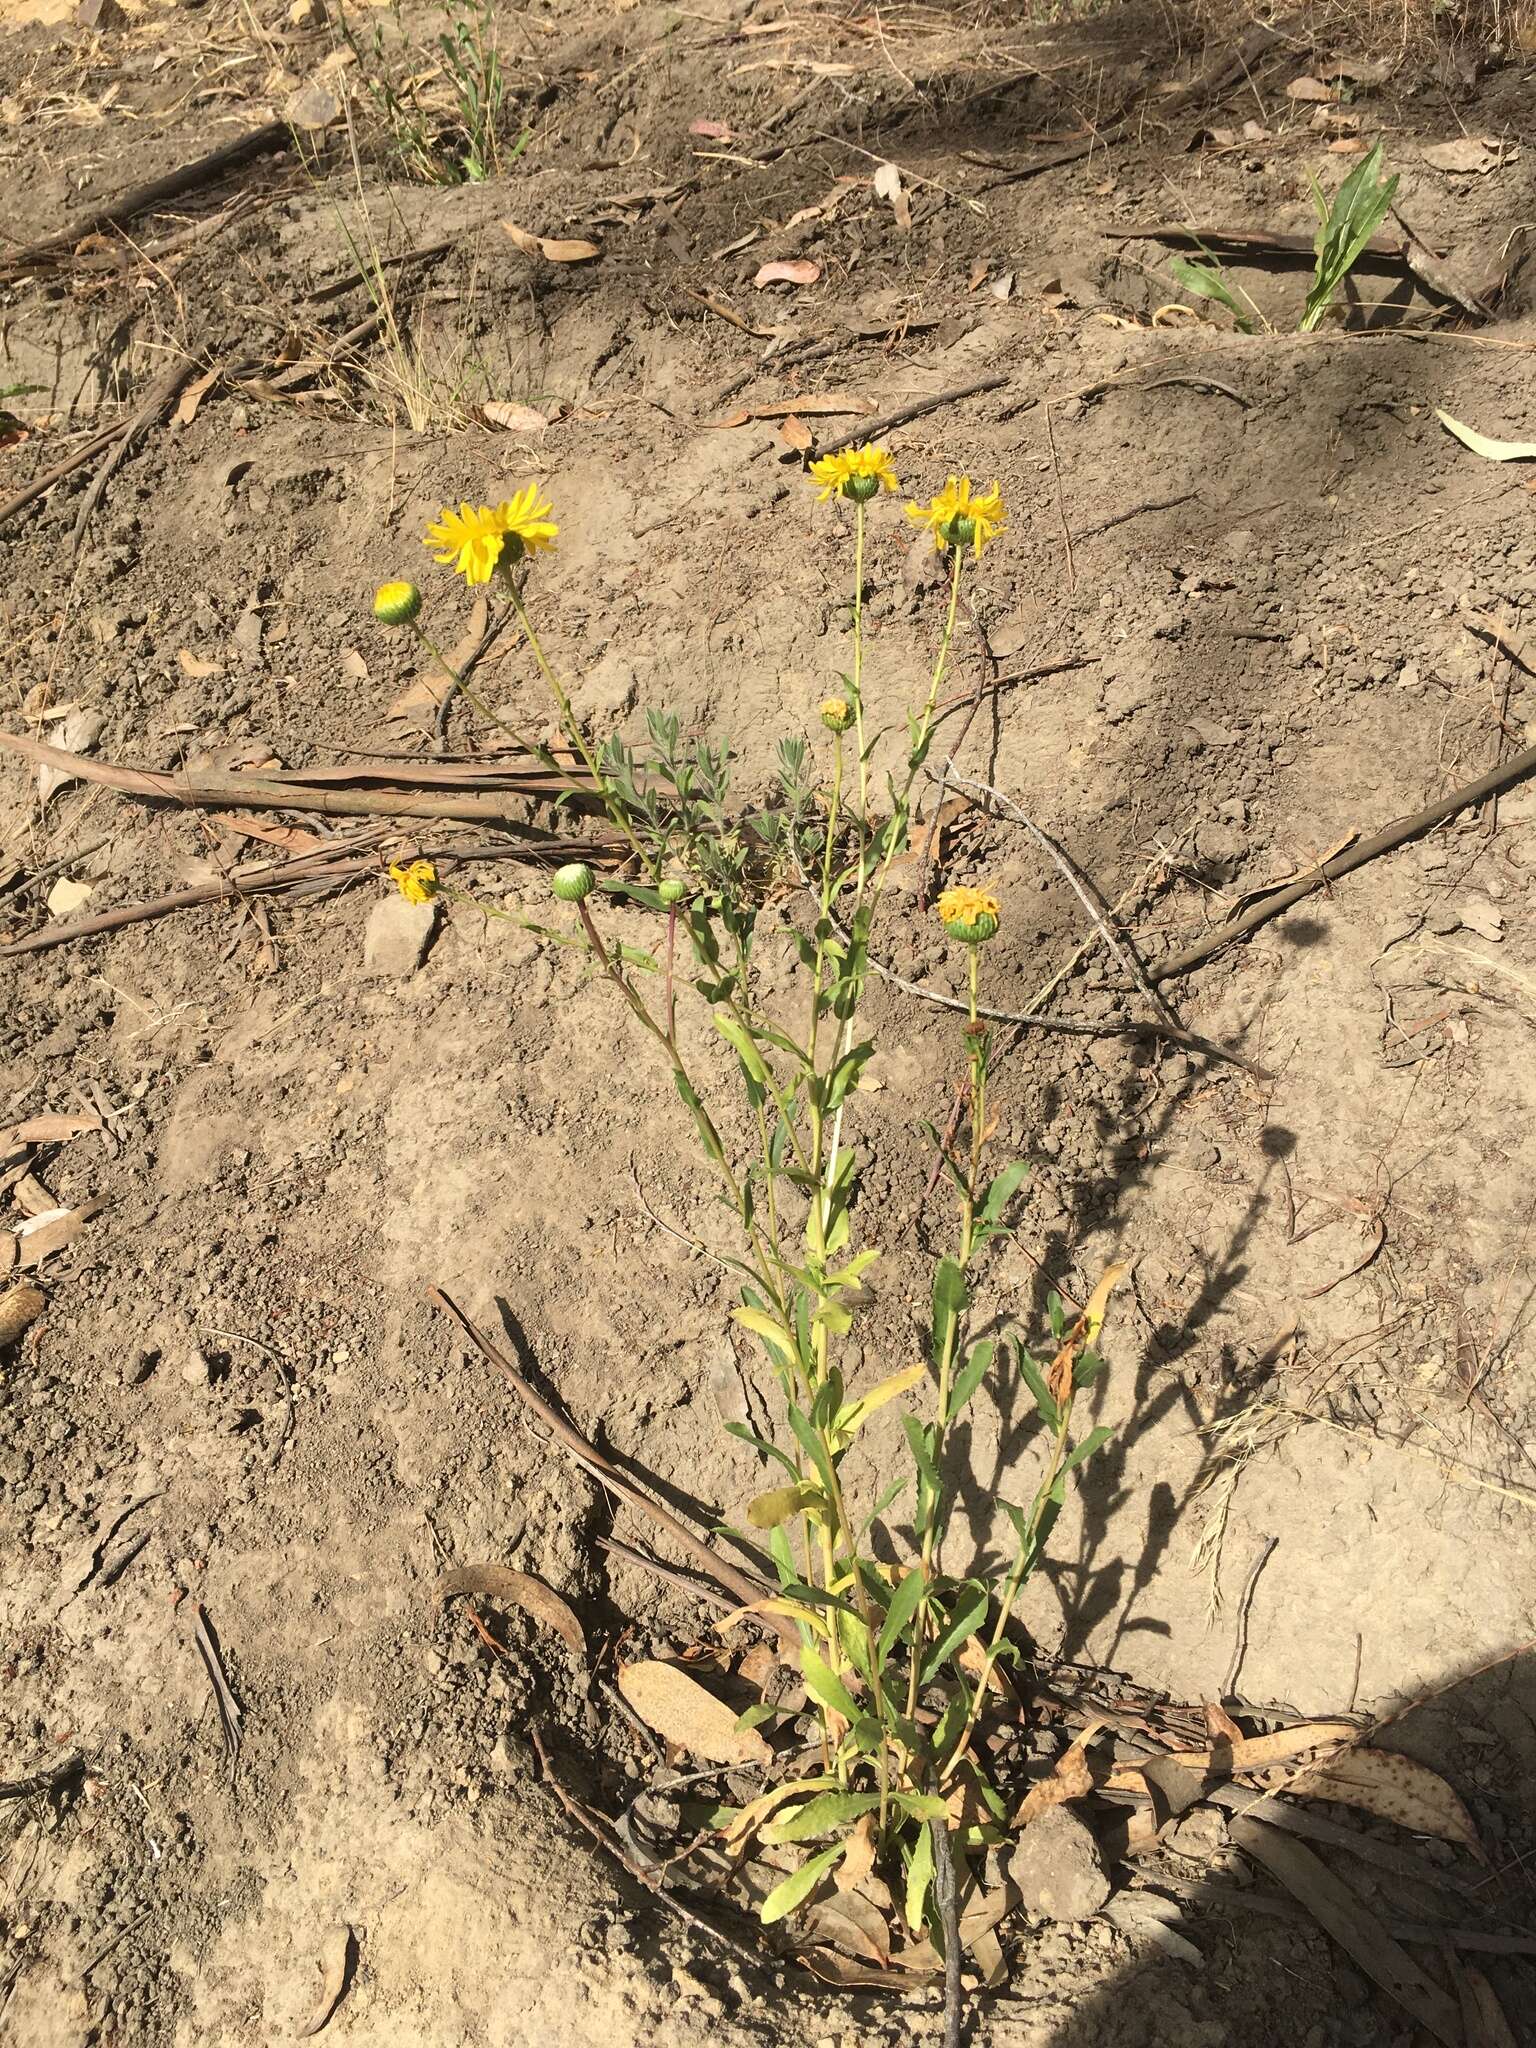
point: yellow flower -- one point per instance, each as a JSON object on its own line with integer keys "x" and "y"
{"x": 474, "y": 539}
{"x": 528, "y": 521}
{"x": 416, "y": 880}
{"x": 956, "y": 517}
{"x": 836, "y": 714}
{"x": 970, "y": 915}
{"x": 857, "y": 473}
{"x": 396, "y": 604}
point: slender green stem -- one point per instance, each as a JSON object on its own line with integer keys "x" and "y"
{"x": 615, "y": 809}
{"x": 858, "y": 658}
{"x": 471, "y": 697}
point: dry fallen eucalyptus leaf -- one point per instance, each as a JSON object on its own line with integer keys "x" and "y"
{"x": 678, "y": 1708}
{"x": 792, "y": 270}
{"x": 194, "y": 666}
{"x": 334, "y": 1958}
{"x": 1485, "y": 444}
{"x": 1468, "y": 155}
{"x": 888, "y": 186}
{"x": 1307, "y": 89}
{"x": 41, "y": 1236}
{"x": 521, "y": 1589}
{"x": 77, "y": 734}
{"x": 66, "y": 896}
{"x": 1393, "y": 1787}
{"x": 796, "y": 434}
{"x": 551, "y": 248}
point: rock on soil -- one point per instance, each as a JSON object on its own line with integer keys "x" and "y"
{"x": 1058, "y": 1867}
{"x": 398, "y": 936}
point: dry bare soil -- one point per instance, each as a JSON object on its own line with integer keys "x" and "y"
{"x": 1245, "y": 566}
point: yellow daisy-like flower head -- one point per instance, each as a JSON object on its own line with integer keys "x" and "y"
{"x": 960, "y": 516}
{"x": 416, "y": 880}
{"x": 836, "y": 714}
{"x": 396, "y": 604}
{"x": 477, "y": 539}
{"x": 857, "y": 473}
{"x": 970, "y": 915}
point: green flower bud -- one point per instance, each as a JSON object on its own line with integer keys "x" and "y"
{"x": 961, "y": 531}
{"x": 574, "y": 882}
{"x": 396, "y": 604}
{"x": 670, "y": 891}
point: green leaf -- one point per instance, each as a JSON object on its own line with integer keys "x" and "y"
{"x": 771, "y": 1331}
{"x": 857, "y": 1413}
{"x": 846, "y": 1073}
{"x": 920, "y": 1805}
{"x": 950, "y": 1301}
{"x": 920, "y": 1443}
{"x": 919, "y": 1878}
{"x": 759, "y": 1443}
{"x": 904, "y": 1604}
{"x": 945, "y": 1161}
{"x": 825, "y": 1687}
{"x": 1000, "y": 1193}
{"x": 785, "y": 1504}
{"x": 1206, "y": 282}
{"x": 969, "y": 1614}
{"x": 707, "y": 1131}
{"x": 1034, "y": 1379}
{"x": 736, "y": 1034}
{"x": 789, "y": 1892}
{"x": 1093, "y": 1441}
{"x": 970, "y": 1377}
{"x": 813, "y": 1448}
{"x": 888, "y": 1494}
{"x": 755, "y": 1715}
{"x": 833, "y": 1810}
{"x": 1358, "y": 210}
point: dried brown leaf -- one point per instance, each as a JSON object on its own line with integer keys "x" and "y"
{"x": 678, "y": 1708}
{"x": 49, "y": 1130}
{"x": 1467, "y": 155}
{"x": 858, "y": 1858}
{"x": 551, "y": 248}
{"x": 1260, "y": 1752}
{"x": 194, "y": 666}
{"x": 888, "y": 186}
{"x": 788, "y": 270}
{"x": 77, "y": 734}
{"x": 193, "y": 396}
{"x": 20, "y": 1308}
{"x": 417, "y": 703}
{"x": 1071, "y": 1779}
{"x": 513, "y": 418}
{"x": 1394, "y": 1788}
{"x": 852, "y": 1923}
{"x": 1308, "y": 89}
{"x": 32, "y": 1198}
{"x": 520, "y": 1589}
{"x": 712, "y": 131}
{"x": 1482, "y": 2016}
{"x": 41, "y": 1236}
{"x": 354, "y": 665}
{"x": 334, "y": 1958}
{"x": 796, "y": 434}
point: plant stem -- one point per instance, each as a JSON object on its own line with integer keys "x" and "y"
{"x": 471, "y": 697}
{"x": 858, "y": 658}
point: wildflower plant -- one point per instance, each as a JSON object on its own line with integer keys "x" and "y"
{"x": 901, "y": 1659}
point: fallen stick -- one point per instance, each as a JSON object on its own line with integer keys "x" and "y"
{"x": 871, "y": 430}
{"x": 749, "y": 1591}
{"x": 213, "y": 791}
{"x": 339, "y": 865}
{"x": 1387, "y": 840}
{"x": 272, "y": 135}
{"x": 41, "y": 485}
{"x": 158, "y": 400}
